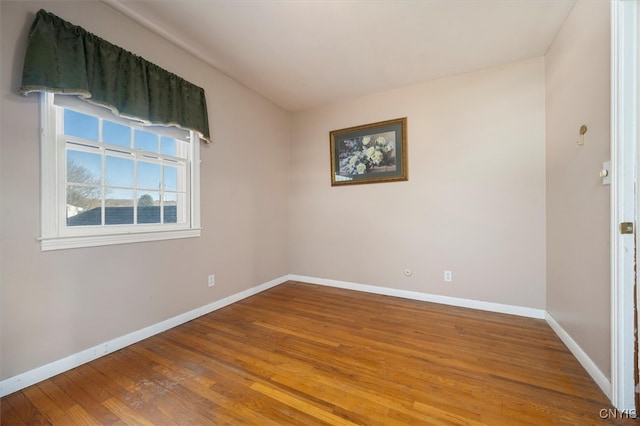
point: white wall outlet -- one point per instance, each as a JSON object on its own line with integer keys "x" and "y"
{"x": 211, "y": 280}
{"x": 408, "y": 272}
{"x": 448, "y": 276}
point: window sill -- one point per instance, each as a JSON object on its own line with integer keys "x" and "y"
{"x": 61, "y": 243}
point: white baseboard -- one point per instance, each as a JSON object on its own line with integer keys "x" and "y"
{"x": 426, "y": 297}
{"x": 23, "y": 380}
{"x": 584, "y": 360}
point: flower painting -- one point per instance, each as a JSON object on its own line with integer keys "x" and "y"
{"x": 371, "y": 153}
{"x": 368, "y": 154}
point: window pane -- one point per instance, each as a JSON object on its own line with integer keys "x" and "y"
{"x": 170, "y": 198}
{"x": 170, "y": 178}
{"x": 83, "y": 205}
{"x": 116, "y": 134}
{"x": 148, "y": 198}
{"x": 80, "y": 125}
{"x": 182, "y": 149}
{"x": 148, "y": 175}
{"x": 119, "y": 172}
{"x": 174, "y": 207}
{"x": 118, "y": 207}
{"x": 170, "y": 214}
{"x": 83, "y": 167}
{"x": 149, "y": 207}
{"x": 168, "y": 146}
{"x": 145, "y": 140}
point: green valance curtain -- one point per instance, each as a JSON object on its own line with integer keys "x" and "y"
{"x": 66, "y": 59}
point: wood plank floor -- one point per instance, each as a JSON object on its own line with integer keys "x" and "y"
{"x": 301, "y": 354}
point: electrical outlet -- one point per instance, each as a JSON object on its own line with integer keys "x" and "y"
{"x": 212, "y": 280}
{"x": 448, "y": 276}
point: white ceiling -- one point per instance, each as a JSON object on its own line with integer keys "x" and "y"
{"x": 302, "y": 54}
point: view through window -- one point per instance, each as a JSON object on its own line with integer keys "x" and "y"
{"x": 117, "y": 175}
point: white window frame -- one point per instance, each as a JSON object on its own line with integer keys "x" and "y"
{"x": 55, "y": 235}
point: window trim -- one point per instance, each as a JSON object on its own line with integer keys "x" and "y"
{"x": 52, "y": 154}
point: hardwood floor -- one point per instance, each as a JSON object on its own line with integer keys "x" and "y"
{"x": 304, "y": 354}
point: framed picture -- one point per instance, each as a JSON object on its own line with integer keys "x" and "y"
{"x": 370, "y": 153}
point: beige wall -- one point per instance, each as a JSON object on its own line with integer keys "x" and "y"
{"x": 54, "y": 304}
{"x": 577, "y": 84}
{"x": 474, "y": 203}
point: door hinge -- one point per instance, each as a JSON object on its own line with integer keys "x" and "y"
{"x": 626, "y": 228}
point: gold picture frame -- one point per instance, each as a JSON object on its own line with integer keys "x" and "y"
{"x": 370, "y": 153}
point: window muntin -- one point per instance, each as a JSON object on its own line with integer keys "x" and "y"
{"x": 115, "y": 176}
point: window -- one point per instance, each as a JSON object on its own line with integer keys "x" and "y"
{"x": 110, "y": 180}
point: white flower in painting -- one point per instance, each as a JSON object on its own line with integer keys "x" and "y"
{"x": 369, "y": 153}
{"x": 352, "y": 160}
{"x": 388, "y": 147}
{"x": 380, "y": 140}
{"x": 361, "y": 168}
{"x": 366, "y": 140}
{"x": 376, "y": 158}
